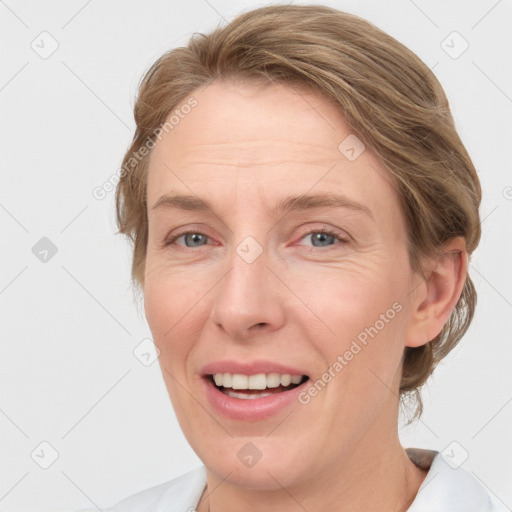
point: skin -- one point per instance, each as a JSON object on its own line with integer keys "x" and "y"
{"x": 244, "y": 147}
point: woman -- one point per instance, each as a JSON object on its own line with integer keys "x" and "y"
{"x": 302, "y": 212}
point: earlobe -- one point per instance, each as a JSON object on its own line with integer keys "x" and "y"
{"x": 438, "y": 294}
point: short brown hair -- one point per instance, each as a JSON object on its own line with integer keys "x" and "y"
{"x": 386, "y": 94}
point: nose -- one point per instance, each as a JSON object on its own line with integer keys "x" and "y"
{"x": 249, "y": 298}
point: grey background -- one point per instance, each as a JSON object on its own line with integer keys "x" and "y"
{"x": 69, "y": 375}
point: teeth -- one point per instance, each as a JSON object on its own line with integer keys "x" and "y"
{"x": 273, "y": 380}
{"x": 259, "y": 381}
{"x": 286, "y": 380}
{"x": 234, "y": 394}
{"x": 226, "y": 379}
{"x": 240, "y": 381}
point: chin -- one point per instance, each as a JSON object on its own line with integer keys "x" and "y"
{"x": 255, "y": 462}
{"x": 268, "y": 476}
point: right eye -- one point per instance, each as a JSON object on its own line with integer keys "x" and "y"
{"x": 191, "y": 239}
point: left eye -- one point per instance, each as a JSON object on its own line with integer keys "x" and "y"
{"x": 324, "y": 238}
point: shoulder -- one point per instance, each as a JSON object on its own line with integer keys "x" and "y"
{"x": 448, "y": 487}
{"x": 178, "y": 495}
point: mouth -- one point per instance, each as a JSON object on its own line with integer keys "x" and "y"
{"x": 252, "y": 390}
{"x": 251, "y": 387}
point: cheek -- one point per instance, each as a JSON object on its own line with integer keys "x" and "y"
{"x": 169, "y": 297}
{"x": 171, "y": 304}
{"x": 360, "y": 363}
{"x": 169, "y": 307}
{"x": 351, "y": 298}
{"x": 359, "y": 324}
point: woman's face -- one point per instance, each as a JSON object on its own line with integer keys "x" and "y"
{"x": 243, "y": 280}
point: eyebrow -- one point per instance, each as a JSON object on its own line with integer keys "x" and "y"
{"x": 290, "y": 203}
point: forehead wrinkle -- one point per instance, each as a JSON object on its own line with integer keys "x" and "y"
{"x": 248, "y": 152}
{"x": 244, "y": 164}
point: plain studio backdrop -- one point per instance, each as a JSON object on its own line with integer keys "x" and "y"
{"x": 85, "y": 418}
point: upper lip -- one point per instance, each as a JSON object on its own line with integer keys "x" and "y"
{"x": 249, "y": 368}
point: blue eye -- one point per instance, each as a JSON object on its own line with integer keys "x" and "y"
{"x": 191, "y": 239}
{"x": 324, "y": 237}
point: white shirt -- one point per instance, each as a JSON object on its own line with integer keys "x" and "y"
{"x": 444, "y": 490}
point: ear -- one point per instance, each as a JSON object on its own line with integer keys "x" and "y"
{"x": 437, "y": 294}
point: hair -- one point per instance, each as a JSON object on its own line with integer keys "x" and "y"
{"x": 386, "y": 94}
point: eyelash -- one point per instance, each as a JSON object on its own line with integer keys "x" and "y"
{"x": 334, "y": 234}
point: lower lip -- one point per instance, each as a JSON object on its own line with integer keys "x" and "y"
{"x": 250, "y": 409}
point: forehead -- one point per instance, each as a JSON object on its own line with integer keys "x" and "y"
{"x": 259, "y": 122}
{"x": 271, "y": 140}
